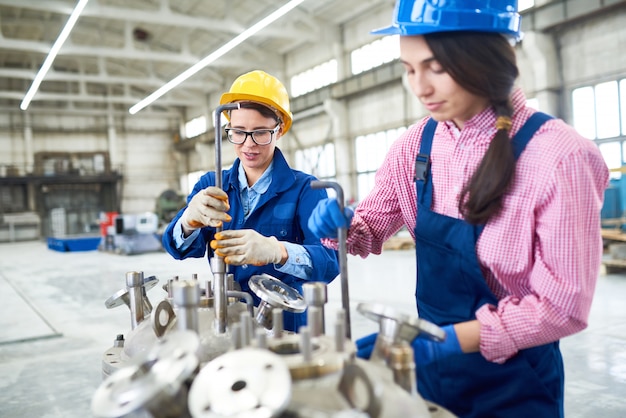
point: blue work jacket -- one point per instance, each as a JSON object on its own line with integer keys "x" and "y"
{"x": 282, "y": 211}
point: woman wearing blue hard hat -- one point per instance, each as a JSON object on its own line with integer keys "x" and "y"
{"x": 504, "y": 205}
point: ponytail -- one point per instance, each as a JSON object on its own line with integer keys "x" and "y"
{"x": 482, "y": 196}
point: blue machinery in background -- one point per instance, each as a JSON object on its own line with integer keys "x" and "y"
{"x": 614, "y": 202}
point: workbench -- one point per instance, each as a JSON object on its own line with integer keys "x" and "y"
{"x": 613, "y": 234}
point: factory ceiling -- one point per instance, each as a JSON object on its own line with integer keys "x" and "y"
{"x": 121, "y": 51}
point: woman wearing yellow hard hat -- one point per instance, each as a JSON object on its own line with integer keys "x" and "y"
{"x": 504, "y": 205}
{"x": 264, "y": 205}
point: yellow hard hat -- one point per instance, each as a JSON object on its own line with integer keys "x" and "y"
{"x": 258, "y": 86}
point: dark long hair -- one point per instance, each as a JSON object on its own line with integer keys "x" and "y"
{"x": 485, "y": 65}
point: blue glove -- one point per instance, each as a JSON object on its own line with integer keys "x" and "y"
{"x": 365, "y": 345}
{"x": 426, "y": 351}
{"x": 326, "y": 218}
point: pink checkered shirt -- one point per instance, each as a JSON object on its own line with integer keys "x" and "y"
{"x": 540, "y": 256}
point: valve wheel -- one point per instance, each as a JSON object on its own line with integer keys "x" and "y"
{"x": 400, "y": 326}
{"x": 276, "y": 293}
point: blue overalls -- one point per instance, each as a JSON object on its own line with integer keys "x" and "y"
{"x": 450, "y": 288}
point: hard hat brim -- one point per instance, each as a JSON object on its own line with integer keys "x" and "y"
{"x": 388, "y": 30}
{"x": 416, "y": 30}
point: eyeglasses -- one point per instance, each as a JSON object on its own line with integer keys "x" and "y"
{"x": 259, "y": 136}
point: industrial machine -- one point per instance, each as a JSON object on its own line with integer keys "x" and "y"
{"x": 168, "y": 204}
{"x": 130, "y": 234}
{"x": 175, "y": 361}
{"x": 206, "y": 351}
{"x": 138, "y": 233}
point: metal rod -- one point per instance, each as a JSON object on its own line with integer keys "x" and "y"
{"x": 134, "y": 284}
{"x": 243, "y": 295}
{"x": 340, "y": 331}
{"x": 342, "y": 235}
{"x": 218, "y": 141}
{"x": 218, "y": 266}
{"x": 186, "y": 296}
{"x": 402, "y": 364}
{"x": 315, "y": 295}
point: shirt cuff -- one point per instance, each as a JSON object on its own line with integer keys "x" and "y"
{"x": 298, "y": 263}
{"x": 181, "y": 242}
{"x": 495, "y": 343}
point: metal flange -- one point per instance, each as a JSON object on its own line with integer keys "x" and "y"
{"x": 121, "y": 296}
{"x": 250, "y": 382}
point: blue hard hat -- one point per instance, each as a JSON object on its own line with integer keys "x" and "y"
{"x": 420, "y": 17}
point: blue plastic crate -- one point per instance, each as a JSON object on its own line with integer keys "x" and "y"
{"x": 74, "y": 244}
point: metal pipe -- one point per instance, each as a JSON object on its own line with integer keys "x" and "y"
{"x": 315, "y": 321}
{"x": 306, "y": 346}
{"x": 186, "y": 296}
{"x": 218, "y": 141}
{"x": 134, "y": 284}
{"x": 147, "y": 305}
{"x": 261, "y": 338}
{"x": 243, "y": 295}
{"x": 235, "y": 335}
{"x": 403, "y": 367}
{"x": 315, "y": 294}
{"x": 218, "y": 267}
{"x": 340, "y": 331}
{"x": 342, "y": 235}
{"x": 277, "y": 322}
{"x": 246, "y": 328}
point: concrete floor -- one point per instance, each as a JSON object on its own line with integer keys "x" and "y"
{"x": 55, "y": 327}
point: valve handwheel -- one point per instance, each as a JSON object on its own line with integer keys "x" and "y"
{"x": 274, "y": 294}
{"x": 399, "y": 326}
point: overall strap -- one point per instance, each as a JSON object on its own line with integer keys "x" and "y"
{"x": 422, "y": 163}
{"x": 526, "y": 132}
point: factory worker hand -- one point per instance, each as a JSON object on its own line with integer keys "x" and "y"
{"x": 425, "y": 351}
{"x": 246, "y": 246}
{"x": 326, "y": 218}
{"x": 207, "y": 208}
{"x": 365, "y": 346}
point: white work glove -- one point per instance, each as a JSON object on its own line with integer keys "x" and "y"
{"x": 207, "y": 208}
{"x": 246, "y": 246}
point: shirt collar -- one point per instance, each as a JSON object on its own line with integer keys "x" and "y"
{"x": 485, "y": 120}
{"x": 262, "y": 184}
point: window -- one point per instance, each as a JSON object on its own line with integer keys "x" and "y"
{"x": 533, "y": 102}
{"x": 596, "y": 110}
{"x": 583, "y": 106}
{"x": 370, "y": 152}
{"x": 607, "y": 110}
{"x": 318, "y": 161}
{"x": 375, "y": 53}
{"x": 622, "y": 89}
{"x": 315, "y": 78}
{"x": 187, "y": 182}
{"x": 525, "y": 4}
{"x": 599, "y": 113}
{"x": 195, "y": 127}
{"x": 612, "y": 153}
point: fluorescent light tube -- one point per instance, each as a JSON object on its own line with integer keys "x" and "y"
{"x": 53, "y": 53}
{"x": 252, "y": 30}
